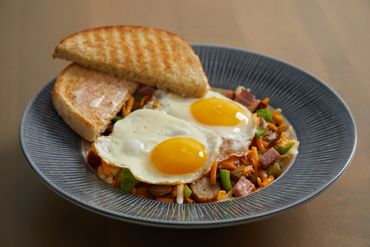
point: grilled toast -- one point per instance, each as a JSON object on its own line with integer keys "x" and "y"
{"x": 87, "y": 100}
{"x": 148, "y": 55}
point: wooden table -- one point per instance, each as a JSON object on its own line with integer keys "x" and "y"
{"x": 328, "y": 38}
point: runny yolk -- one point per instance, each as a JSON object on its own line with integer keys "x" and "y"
{"x": 215, "y": 111}
{"x": 179, "y": 155}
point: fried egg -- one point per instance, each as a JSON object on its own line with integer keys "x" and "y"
{"x": 229, "y": 120}
{"x": 159, "y": 148}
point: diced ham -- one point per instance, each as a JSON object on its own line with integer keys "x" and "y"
{"x": 145, "y": 90}
{"x": 267, "y": 158}
{"x": 246, "y": 98}
{"x": 243, "y": 187}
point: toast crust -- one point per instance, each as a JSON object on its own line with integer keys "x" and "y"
{"x": 152, "y": 56}
{"x": 85, "y": 109}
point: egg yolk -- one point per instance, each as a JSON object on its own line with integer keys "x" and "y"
{"x": 215, "y": 111}
{"x": 179, "y": 155}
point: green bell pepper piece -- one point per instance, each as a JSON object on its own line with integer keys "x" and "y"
{"x": 265, "y": 113}
{"x": 260, "y": 132}
{"x": 187, "y": 191}
{"x": 285, "y": 148}
{"x": 225, "y": 179}
{"x": 128, "y": 181}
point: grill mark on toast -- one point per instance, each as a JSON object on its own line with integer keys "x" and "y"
{"x": 172, "y": 60}
{"x": 153, "y": 53}
{"x": 164, "y": 52}
{"x": 118, "y": 48}
{"x": 178, "y": 55}
{"x": 147, "y": 58}
{"x": 80, "y": 42}
{"x": 107, "y": 44}
{"x": 90, "y": 39}
{"x": 99, "y": 44}
{"x": 86, "y": 43}
{"x": 191, "y": 62}
{"x": 130, "y": 53}
{"x": 138, "y": 47}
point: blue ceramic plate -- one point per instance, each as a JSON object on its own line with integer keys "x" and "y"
{"x": 323, "y": 124}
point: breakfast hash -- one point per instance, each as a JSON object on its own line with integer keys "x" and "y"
{"x": 244, "y": 167}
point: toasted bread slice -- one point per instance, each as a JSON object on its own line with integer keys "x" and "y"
{"x": 151, "y": 56}
{"x": 87, "y": 100}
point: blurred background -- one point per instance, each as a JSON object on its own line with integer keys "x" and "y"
{"x": 328, "y": 38}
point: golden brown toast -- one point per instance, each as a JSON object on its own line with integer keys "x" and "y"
{"x": 87, "y": 100}
{"x": 148, "y": 55}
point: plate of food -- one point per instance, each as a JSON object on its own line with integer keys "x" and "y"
{"x": 145, "y": 128}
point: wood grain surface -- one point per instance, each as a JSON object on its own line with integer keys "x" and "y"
{"x": 328, "y": 38}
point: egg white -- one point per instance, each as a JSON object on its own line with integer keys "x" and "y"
{"x": 236, "y": 139}
{"x": 134, "y": 137}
